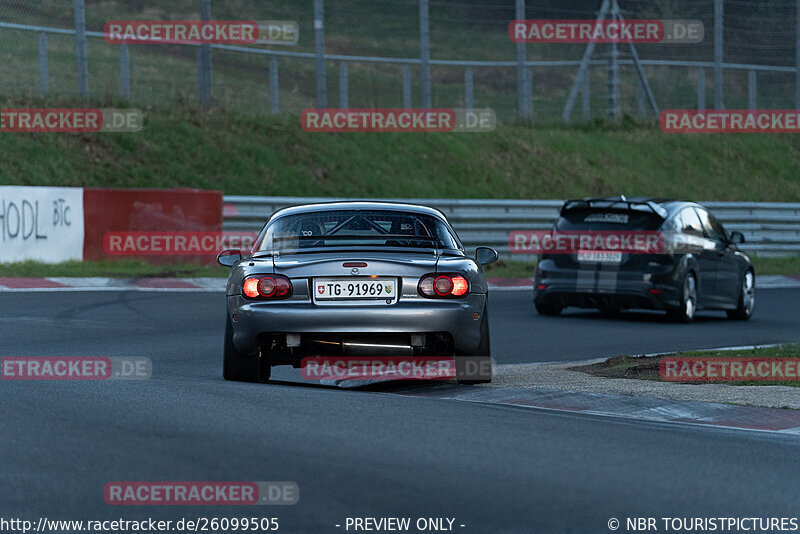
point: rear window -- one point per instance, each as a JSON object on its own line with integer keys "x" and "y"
{"x": 608, "y": 219}
{"x": 357, "y": 228}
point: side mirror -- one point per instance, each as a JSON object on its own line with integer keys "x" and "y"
{"x": 228, "y": 258}
{"x": 737, "y": 238}
{"x": 485, "y": 255}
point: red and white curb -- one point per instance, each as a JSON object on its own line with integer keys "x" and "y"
{"x": 211, "y": 285}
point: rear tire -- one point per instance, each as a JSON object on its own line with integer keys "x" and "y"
{"x": 747, "y": 298}
{"x": 548, "y": 309}
{"x": 483, "y": 355}
{"x": 685, "y": 314}
{"x": 240, "y": 367}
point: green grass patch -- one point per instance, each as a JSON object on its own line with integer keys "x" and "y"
{"x": 789, "y": 265}
{"x": 247, "y": 154}
{"x": 116, "y": 269}
{"x": 647, "y": 367}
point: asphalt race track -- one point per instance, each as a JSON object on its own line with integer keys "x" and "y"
{"x": 358, "y": 453}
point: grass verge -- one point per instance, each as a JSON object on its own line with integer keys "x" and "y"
{"x": 647, "y": 367}
{"x": 182, "y": 146}
{"x": 116, "y": 269}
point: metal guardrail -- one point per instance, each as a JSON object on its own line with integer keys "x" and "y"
{"x": 770, "y": 228}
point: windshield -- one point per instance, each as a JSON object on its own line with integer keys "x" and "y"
{"x": 356, "y": 228}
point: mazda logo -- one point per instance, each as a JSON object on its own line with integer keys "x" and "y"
{"x": 354, "y": 270}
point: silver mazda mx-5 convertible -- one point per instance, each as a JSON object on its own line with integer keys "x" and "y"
{"x": 356, "y": 278}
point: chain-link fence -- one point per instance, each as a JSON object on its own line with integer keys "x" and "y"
{"x": 371, "y": 53}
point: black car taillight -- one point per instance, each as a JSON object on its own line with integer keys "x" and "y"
{"x": 273, "y": 286}
{"x": 443, "y": 286}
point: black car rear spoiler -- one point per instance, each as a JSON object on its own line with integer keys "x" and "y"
{"x": 570, "y": 205}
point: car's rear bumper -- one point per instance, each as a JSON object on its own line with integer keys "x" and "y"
{"x": 454, "y": 316}
{"x": 607, "y": 289}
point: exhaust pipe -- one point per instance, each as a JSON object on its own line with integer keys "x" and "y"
{"x": 441, "y": 345}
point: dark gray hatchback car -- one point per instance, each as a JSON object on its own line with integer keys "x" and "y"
{"x": 697, "y": 264}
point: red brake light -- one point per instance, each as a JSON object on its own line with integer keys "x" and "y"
{"x": 460, "y": 286}
{"x": 443, "y": 286}
{"x": 275, "y": 286}
{"x": 250, "y": 288}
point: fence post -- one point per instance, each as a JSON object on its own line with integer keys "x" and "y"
{"x": 44, "y": 71}
{"x": 797, "y": 57}
{"x": 752, "y": 98}
{"x": 522, "y": 98}
{"x": 701, "y": 88}
{"x": 529, "y": 93}
{"x": 406, "y": 86}
{"x": 718, "y": 44}
{"x": 641, "y": 100}
{"x": 204, "y": 61}
{"x": 425, "y": 52}
{"x": 80, "y": 49}
{"x": 343, "y": 86}
{"x": 469, "y": 98}
{"x": 274, "y": 105}
{"x": 125, "y": 71}
{"x": 613, "y": 83}
{"x": 586, "y": 96}
{"x": 319, "y": 46}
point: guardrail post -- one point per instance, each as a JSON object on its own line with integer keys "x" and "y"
{"x": 701, "y": 88}
{"x": 274, "y": 105}
{"x": 522, "y": 97}
{"x": 469, "y": 100}
{"x": 44, "y": 71}
{"x": 718, "y": 44}
{"x": 425, "y": 52}
{"x": 406, "y": 86}
{"x": 586, "y": 102}
{"x": 752, "y": 98}
{"x": 80, "y": 49}
{"x": 319, "y": 47}
{"x": 343, "y": 85}
{"x": 204, "y": 61}
{"x": 125, "y": 71}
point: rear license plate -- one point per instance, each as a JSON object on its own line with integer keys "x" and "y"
{"x": 382, "y": 290}
{"x": 598, "y": 256}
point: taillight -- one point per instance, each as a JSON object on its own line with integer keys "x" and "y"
{"x": 274, "y": 286}
{"x": 443, "y": 286}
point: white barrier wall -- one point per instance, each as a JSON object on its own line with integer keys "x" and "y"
{"x": 41, "y": 223}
